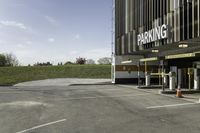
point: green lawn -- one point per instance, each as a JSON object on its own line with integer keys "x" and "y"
{"x": 13, "y": 75}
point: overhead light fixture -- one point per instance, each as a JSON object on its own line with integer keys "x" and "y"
{"x": 155, "y": 51}
{"x": 182, "y": 45}
{"x": 127, "y": 61}
{"x": 149, "y": 59}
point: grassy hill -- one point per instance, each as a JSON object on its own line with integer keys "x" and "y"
{"x": 13, "y": 75}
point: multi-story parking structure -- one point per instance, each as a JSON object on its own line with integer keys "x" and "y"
{"x": 156, "y": 37}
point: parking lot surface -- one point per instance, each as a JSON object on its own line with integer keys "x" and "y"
{"x": 95, "y": 109}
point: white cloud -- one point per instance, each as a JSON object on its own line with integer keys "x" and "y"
{"x": 2, "y": 42}
{"x": 29, "y": 42}
{"x": 73, "y": 52}
{"x": 77, "y": 36}
{"x": 20, "y": 46}
{"x": 13, "y": 24}
{"x": 98, "y": 53}
{"x": 51, "y": 40}
{"x": 25, "y": 56}
{"x": 51, "y": 20}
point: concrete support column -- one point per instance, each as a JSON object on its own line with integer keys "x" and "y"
{"x": 196, "y": 80}
{"x": 180, "y": 77}
{"x": 172, "y": 83}
{"x": 147, "y": 79}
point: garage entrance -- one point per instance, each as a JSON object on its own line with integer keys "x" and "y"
{"x": 175, "y": 71}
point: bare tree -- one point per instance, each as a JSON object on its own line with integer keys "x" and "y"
{"x": 90, "y": 61}
{"x": 2, "y": 60}
{"x": 11, "y": 60}
{"x": 104, "y": 60}
{"x": 80, "y": 61}
{"x": 68, "y": 63}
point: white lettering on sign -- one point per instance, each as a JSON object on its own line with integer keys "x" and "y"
{"x": 158, "y": 33}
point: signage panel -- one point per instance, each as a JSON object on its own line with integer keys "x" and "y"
{"x": 158, "y": 33}
{"x": 180, "y": 56}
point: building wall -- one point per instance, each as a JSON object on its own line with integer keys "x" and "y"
{"x": 133, "y": 17}
{"x": 128, "y": 72}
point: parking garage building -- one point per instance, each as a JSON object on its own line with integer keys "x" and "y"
{"x": 156, "y": 39}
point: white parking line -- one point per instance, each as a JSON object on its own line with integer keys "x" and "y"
{"x": 171, "y": 105}
{"x": 159, "y": 93}
{"x": 10, "y": 92}
{"x": 40, "y": 126}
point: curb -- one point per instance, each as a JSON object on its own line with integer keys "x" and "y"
{"x": 6, "y": 85}
{"x": 149, "y": 87}
{"x": 183, "y": 91}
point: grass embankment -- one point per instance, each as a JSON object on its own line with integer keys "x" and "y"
{"x": 13, "y": 75}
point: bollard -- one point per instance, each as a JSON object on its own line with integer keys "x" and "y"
{"x": 196, "y": 80}
{"x": 172, "y": 76}
{"x": 196, "y": 83}
{"x": 147, "y": 79}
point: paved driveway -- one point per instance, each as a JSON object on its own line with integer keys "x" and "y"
{"x": 94, "y": 109}
{"x": 64, "y": 82}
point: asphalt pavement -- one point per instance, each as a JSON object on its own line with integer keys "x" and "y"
{"x": 94, "y": 108}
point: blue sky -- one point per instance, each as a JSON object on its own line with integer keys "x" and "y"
{"x": 55, "y": 30}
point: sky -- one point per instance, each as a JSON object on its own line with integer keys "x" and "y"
{"x": 55, "y": 30}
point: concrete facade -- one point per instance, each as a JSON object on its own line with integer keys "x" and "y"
{"x": 167, "y": 30}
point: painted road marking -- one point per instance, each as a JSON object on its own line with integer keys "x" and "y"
{"x": 171, "y": 105}
{"x": 10, "y": 92}
{"x": 184, "y": 97}
{"x": 158, "y": 93}
{"x": 40, "y": 126}
{"x": 19, "y": 104}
